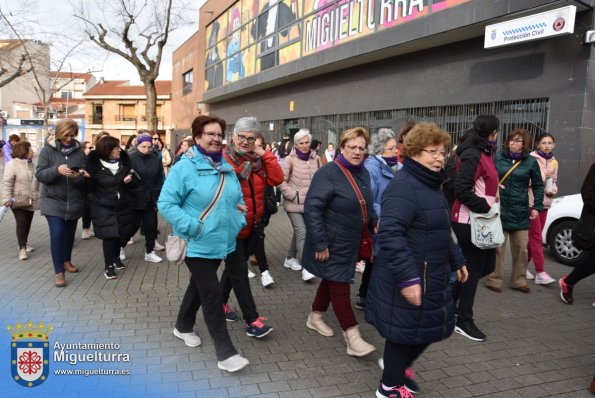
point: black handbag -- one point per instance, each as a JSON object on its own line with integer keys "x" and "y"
{"x": 583, "y": 236}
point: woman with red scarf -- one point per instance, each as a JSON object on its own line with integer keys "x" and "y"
{"x": 255, "y": 168}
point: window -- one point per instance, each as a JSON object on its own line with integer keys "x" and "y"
{"x": 127, "y": 112}
{"x": 66, "y": 94}
{"x": 187, "y": 85}
{"x": 97, "y": 114}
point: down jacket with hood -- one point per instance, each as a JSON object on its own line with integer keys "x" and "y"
{"x": 61, "y": 196}
{"x": 414, "y": 241}
{"x": 298, "y": 177}
{"x": 188, "y": 190}
{"x": 19, "y": 179}
{"x": 110, "y": 198}
{"x": 334, "y": 220}
{"x": 253, "y": 189}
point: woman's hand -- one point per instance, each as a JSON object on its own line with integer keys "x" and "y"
{"x": 64, "y": 170}
{"x": 85, "y": 174}
{"x": 462, "y": 274}
{"x": 75, "y": 175}
{"x": 322, "y": 256}
{"x": 412, "y": 294}
{"x": 127, "y": 179}
{"x": 534, "y": 214}
{"x": 242, "y": 208}
{"x": 8, "y": 203}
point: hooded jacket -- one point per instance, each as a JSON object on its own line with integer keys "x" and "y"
{"x": 61, "y": 196}
{"x": 298, "y": 175}
{"x": 19, "y": 179}
{"x": 187, "y": 191}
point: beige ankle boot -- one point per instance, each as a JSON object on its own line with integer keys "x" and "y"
{"x": 356, "y": 346}
{"x": 315, "y": 322}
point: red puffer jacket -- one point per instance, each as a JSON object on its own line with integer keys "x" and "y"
{"x": 274, "y": 176}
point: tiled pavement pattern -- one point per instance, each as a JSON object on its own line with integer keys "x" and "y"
{"x": 537, "y": 346}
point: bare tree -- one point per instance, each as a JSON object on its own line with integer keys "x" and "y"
{"x": 136, "y": 30}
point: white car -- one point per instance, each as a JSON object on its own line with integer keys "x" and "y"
{"x": 557, "y": 231}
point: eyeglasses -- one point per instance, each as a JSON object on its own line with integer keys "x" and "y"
{"x": 243, "y": 138}
{"x": 356, "y": 148}
{"x": 517, "y": 141}
{"x": 435, "y": 153}
{"x": 212, "y": 135}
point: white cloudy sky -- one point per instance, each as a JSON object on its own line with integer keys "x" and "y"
{"x": 56, "y": 15}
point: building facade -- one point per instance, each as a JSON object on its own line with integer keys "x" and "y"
{"x": 120, "y": 109}
{"x": 335, "y": 64}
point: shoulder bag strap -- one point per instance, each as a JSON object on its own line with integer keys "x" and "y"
{"x": 514, "y": 166}
{"x": 218, "y": 194}
{"x": 360, "y": 197}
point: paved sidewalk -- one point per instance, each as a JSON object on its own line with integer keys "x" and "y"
{"x": 537, "y": 346}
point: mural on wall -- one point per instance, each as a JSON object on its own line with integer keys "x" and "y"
{"x": 255, "y": 35}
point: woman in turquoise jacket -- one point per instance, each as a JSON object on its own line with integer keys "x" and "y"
{"x": 202, "y": 200}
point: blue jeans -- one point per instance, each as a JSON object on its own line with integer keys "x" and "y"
{"x": 61, "y": 240}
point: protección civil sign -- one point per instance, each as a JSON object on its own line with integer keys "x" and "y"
{"x": 533, "y": 27}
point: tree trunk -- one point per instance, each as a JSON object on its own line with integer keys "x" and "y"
{"x": 151, "y": 113}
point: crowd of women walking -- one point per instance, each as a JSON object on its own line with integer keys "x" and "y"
{"x": 378, "y": 199}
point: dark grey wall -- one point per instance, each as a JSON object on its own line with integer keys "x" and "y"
{"x": 458, "y": 73}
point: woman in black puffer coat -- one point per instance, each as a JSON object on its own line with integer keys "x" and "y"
{"x": 409, "y": 299}
{"x": 145, "y": 190}
{"x": 109, "y": 187}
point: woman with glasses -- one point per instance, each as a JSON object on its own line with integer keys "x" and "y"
{"x": 409, "y": 300}
{"x": 298, "y": 169}
{"x": 518, "y": 171}
{"x": 60, "y": 169}
{"x": 146, "y": 186}
{"x": 109, "y": 187}
{"x": 475, "y": 190}
{"x": 204, "y": 179}
{"x": 334, "y": 228}
{"x": 382, "y": 164}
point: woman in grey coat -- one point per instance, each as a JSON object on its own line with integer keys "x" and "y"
{"x": 61, "y": 171}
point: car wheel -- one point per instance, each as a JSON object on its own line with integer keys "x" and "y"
{"x": 561, "y": 245}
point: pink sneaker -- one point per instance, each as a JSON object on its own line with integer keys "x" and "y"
{"x": 543, "y": 278}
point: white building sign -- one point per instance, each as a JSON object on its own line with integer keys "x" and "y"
{"x": 533, "y": 27}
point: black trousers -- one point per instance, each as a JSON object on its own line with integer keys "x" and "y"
{"x": 111, "y": 250}
{"x": 260, "y": 253}
{"x": 23, "y": 220}
{"x": 363, "y": 288}
{"x": 235, "y": 276}
{"x": 147, "y": 218}
{"x": 397, "y": 358}
{"x": 479, "y": 264}
{"x": 582, "y": 270}
{"x": 204, "y": 289}
{"x": 87, "y": 215}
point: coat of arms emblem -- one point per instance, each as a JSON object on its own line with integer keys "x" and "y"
{"x": 30, "y": 353}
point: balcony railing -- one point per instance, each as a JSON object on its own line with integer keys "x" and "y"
{"x": 122, "y": 118}
{"x": 159, "y": 119}
{"x": 95, "y": 119}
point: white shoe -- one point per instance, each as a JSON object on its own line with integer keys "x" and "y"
{"x": 28, "y": 248}
{"x": 306, "y": 276}
{"x": 529, "y": 276}
{"x": 381, "y": 363}
{"x": 86, "y": 234}
{"x": 292, "y": 263}
{"x": 233, "y": 364}
{"x": 543, "y": 278}
{"x": 23, "y": 254}
{"x": 251, "y": 274}
{"x": 360, "y": 266}
{"x": 159, "y": 247}
{"x": 131, "y": 241}
{"x": 153, "y": 258}
{"x": 191, "y": 339}
{"x": 266, "y": 278}
{"x": 122, "y": 254}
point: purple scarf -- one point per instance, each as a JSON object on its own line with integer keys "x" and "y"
{"x": 112, "y": 160}
{"x": 215, "y": 156}
{"x": 303, "y": 156}
{"x": 545, "y": 155}
{"x": 351, "y": 167}
{"x": 491, "y": 144}
{"x": 515, "y": 156}
{"x": 392, "y": 161}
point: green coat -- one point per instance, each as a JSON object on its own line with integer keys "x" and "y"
{"x": 514, "y": 197}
